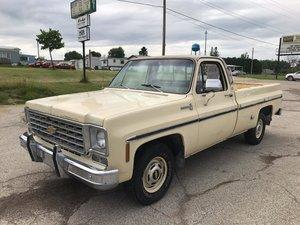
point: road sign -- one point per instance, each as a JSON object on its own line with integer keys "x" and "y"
{"x": 84, "y": 34}
{"x": 290, "y": 44}
{"x": 83, "y": 21}
{"x": 82, "y": 7}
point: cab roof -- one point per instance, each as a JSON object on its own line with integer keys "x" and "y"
{"x": 194, "y": 57}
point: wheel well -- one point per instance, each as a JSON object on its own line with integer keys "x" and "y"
{"x": 173, "y": 141}
{"x": 267, "y": 111}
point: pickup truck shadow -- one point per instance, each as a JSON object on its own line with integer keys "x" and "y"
{"x": 76, "y": 203}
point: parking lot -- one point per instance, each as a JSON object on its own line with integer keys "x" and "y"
{"x": 231, "y": 183}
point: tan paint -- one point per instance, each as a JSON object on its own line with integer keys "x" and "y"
{"x": 126, "y": 113}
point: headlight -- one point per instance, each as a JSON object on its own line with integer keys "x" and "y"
{"x": 98, "y": 137}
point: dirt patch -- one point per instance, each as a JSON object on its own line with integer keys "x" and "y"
{"x": 64, "y": 196}
{"x": 294, "y": 91}
{"x": 269, "y": 159}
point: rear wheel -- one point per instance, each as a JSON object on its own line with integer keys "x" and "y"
{"x": 290, "y": 78}
{"x": 256, "y": 134}
{"x": 153, "y": 173}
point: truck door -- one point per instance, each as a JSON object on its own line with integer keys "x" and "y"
{"x": 215, "y": 103}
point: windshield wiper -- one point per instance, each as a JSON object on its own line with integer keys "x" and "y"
{"x": 155, "y": 87}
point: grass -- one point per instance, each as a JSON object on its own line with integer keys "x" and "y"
{"x": 264, "y": 76}
{"x": 18, "y": 85}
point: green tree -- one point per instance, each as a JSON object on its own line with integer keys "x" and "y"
{"x": 214, "y": 51}
{"x": 273, "y": 65}
{"x": 245, "y": 63}
{"x": 245, "y": 55}
{"x": 143, "y": 51}
{"x": 116, "y": 53}
{"x": 50, "y": 40}
{"x": 95, "y": 54}
{"x": 72, "y": 55}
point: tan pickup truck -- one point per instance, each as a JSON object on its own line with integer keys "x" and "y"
{"x": 156, "y": 112}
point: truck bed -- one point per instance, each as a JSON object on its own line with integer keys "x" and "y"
{"x": 251, "y": 97}
{"x": 241, "y": 85}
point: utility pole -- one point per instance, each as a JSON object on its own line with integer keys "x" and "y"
{"x": 164, "y": 27}
{"x": 90, "y": 59}
{"x": 205, "y": 42}
{"x": 83, "y": 61}
{"x": 252, "y": 61}
{"x": 38, "y": 48}
{"x": 278, "y": 59}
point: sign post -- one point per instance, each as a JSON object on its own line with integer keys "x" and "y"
{"x": 81, "y": 10}
{"x": 288, "y": 45}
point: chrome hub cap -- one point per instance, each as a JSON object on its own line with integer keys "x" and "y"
{"x": 259, "y": 128}
{"x": 155, "y": 174}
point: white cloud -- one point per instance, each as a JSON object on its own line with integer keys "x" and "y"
{"x": 133, "y": 26}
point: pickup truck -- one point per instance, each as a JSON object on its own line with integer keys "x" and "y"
{"x": 155, "y": 113}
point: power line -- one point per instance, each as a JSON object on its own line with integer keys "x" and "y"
{"x": 202, "y": 22}
{"x": 140, "y": 3}
{"x": 220, "y": 28}
{"x": 236, "y": 15}
{"x": 285, "y": 9}
{"x": 270, "y": 9}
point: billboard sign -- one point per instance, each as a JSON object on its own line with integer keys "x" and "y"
{"x": 83, "y": 21}
{"x": 84, "y": 34}
{"x": 290, "y": 44}
{"x": 82, "y": 7}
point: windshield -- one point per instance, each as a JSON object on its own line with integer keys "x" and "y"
{"x": 161, "y": 75}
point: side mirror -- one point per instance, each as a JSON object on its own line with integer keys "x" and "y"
{"x": 213, "y": 85}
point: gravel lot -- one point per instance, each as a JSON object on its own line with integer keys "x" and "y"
{"x": 231, "y": 183}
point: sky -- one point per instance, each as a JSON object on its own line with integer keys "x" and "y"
{"x": 133, "y": 26}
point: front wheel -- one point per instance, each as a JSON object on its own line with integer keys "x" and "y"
{"x": 256, "y": 134}
{"x": 290, "y": 78}
{"x": 153, "y": 173}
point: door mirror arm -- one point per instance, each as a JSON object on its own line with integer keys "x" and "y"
{"x": 206, "y": 98}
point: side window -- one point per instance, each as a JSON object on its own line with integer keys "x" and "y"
{"x": 210, "y": 78}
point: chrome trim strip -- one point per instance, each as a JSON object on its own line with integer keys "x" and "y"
{"x": 258, "y": 103}
{"x": 136, "y": 137}
{"x": 179, "y": 125}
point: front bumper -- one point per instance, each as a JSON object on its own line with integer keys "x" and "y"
{"x": 65, "y": 166}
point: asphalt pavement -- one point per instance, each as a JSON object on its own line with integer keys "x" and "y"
{"x": 231, "y": 183}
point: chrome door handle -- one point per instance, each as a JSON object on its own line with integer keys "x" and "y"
{"x": 230, "y": 95}
{"x": 189, "y": 106}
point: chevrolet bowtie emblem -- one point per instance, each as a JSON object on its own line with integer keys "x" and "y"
{"x": 51, "y": 130}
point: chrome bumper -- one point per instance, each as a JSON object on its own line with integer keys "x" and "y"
{"x": 64, "y": 166}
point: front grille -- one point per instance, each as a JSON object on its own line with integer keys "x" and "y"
{"x": 68, "y": 135}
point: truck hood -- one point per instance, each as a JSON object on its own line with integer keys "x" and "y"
{"x": 94, "y": 107}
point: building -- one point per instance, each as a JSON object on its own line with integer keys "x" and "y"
{"x": 27, "y": 59}
{"x": 12, "y": 55}
{"x": 235, "y": 67}
{"x": 113, "y": 63}
{"x": 78, "y": 63}
{"x": 9, "y": 55}
{"x": 93, "y": 62}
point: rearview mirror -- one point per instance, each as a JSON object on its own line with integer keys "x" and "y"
{"x": 213, "y": 85}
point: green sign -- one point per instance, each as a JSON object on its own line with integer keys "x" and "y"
{"x": 82, "y": 7}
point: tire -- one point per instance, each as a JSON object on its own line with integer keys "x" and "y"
{"x": 255, "y": 135}
{"x": 157, "y": 160}
{"x": 290, "y": 78}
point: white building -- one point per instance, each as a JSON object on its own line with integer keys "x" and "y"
{"x": 78, "y": 63}
{"x": 113, "y": 63}
{"x": 93, "y": 62}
